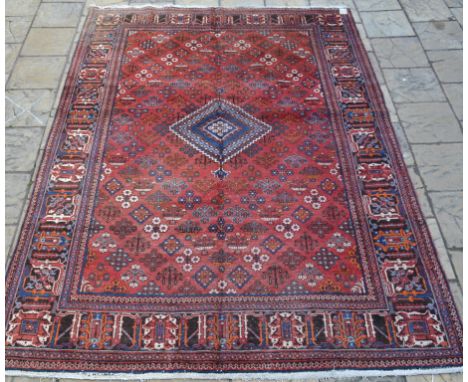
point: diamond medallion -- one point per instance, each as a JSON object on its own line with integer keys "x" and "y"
{"x": 220, "y": 130}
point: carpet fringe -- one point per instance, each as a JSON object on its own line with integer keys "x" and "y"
{"x": 242, "y": 376}
{"x": 343, "y": 8}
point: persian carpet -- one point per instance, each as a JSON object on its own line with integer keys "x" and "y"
{"x": 222, "y": 192}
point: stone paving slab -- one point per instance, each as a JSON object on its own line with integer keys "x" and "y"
{"x": 16, "y": 28}
{"x": 430, "y": 378}
{"x": 157, "y": 2}
{"x": 377, "y": 5}
{"x": 404, "y": 144}
{"x": 457, "y": 260}
{"x": 9, "y": 234}
{"x": 440, "y": 165}
{"x": 58, "y": 15}
{"x": 439, "y": 35}
{"x": 48, "y": 42}
{"x": 399, "y": 52}
{"x": 377, "y": 70}
{"x": 458, "y": 14}
{"x": 28, "y": 107}
{"x": 90, "y": 3}
{"x": 448, "y": 64}
{"x": 413, "y": 85}
{"x": 429, "y": 122}
{"x": 448, "y": 210}
{"x": 287, "y": 3}
{"x": 424, "y": 10}
{"x": 21, "y": 8}
{"x": 364, "y": 38}
{"x": 11, "y": 53}
{"x": 15, "y": 194}
{"x": 420, "y": 188}
{"x": 36, "y": 73}
{"x": 454, "y": 3}
{"x": 234, "y": 3}
{"x": 439, "y": 244}
{"x": 386, "y": 24}
{"x": 22, "y": 146}
{"x": 454, "y": 93}
{"x": 414, "y": 47}
{"x": 458, "y": 297}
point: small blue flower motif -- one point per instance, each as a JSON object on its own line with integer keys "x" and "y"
{"x": 282, "y": 172}
{"x": 221, "y": 228}
{"x": 133, "y": 149}
{"x": 308, "y": 147}
{"x": 160, "y": 173}
{"x": 189, "y": 200}
{"x": 252, "y": 200}
{"x": 138, "y": 111}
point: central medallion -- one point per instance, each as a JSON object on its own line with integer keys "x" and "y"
{"x": 220, "y": 130}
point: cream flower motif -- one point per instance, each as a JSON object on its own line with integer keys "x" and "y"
{"x": 160, "y": 38}
{"x": 187, "y": 260}
{"x": 222, "y": 284}
{"x": 288, "y": 228}
{"x": 294, "y": 75}
{"x": 242, "y": 45}
{"x": 256, "y": 258}
{"x": 144, "y": 75}
{"x": 193, "y": 45}
{"x": 134, "y": 276}
{"x": 169, "y": 59}
{"x": 268, "y": 59}
{"x": 155, "y": 228}
{"x": 315, "y": 199}
{"x": 126, "y": 198}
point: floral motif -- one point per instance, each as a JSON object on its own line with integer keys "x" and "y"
{"x": 104, "y": 242}
{"x": 134, "y": 276}
{"x": 221, "y": 228}
{"x": 169, "y": 59}
{"x": 288, "y": 228}
{"x": 187, "y": 260}
{"x": 242, "y": 45}
{"x": 294, "y": 75}
{"x": 193, "y": 45}
{"x": 126, "y": 198}
{"x": 315, "y": 199}
{"x": 268, "y": 59}
{"x": 256, "y": 258}
{"x": 156, "y": 228}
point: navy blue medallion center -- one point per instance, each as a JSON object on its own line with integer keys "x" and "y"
{"x": 220, "y": 130}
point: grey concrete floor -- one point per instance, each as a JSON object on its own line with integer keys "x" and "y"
{"x": 416, "y": 50}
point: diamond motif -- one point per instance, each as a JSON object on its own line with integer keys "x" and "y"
{"x": 158, "y": 198}
{"x": 302, "y": 214}
{"x": 140, "y": 214}
{"x": 272, "y": 244}
{"x": 113, "y": 186}
{"x": 171, "y": 245}
{"x": 221, "y": 173}
{"x": 239, "y": 276}
{"x": 325, "y": 258}
{"x": 204, "y": 276}
{"x": 220, "y": 130}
